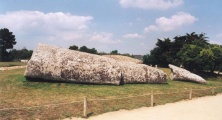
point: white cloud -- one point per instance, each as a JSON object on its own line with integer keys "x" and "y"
{"x": 104, "y": 37}
{"x": 130, "y": 24}
{"x": 33, "y": 19}
{"x": 151, "y": 4}
{"x": 56, "y": 26}
{"x": 217, "y": 39}
{"x": 173, "y": 23}
{"x": 133, "y": 36}
{"x": 139, "y": 19}
{"x": 219, "y": 36}
{"x": 66, "y": 35}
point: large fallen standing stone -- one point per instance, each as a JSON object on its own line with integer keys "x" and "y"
{"x": 181, "y": 74}
{"x": 140, "y": 73}
{"x": 59, "y": 64}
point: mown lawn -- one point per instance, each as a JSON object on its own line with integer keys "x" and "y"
{"x": 41, "y": 100}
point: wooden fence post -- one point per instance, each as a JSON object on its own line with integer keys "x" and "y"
{"x": 213, "y": 90}
{"x": 190, "y": 95}
{"x": 85, "y": 107}
{"x": 151, "y": 101}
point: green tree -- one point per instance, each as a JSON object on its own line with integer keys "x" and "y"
{"x": 162, "y": 54}
{"x": 73, "y": 47}
{"x": 166, "y": 54}
{"x": 212, "y": 57}
{"x": 7, "y": 41}
{"x": 179, "y": 41}
{"x": 183, "y": 50}
{"x": 83, "y": 49}
{"x": 114, "y": 52}
{"x": 192, "y": 38}
{"x": 154, "y": 58}
{"x": 92, "y": 51}
{"x": 25, "y": 54}
{"x": 88, "y": 50}
{"x": 15, "y": 55}
{"x": 189, "y": 56}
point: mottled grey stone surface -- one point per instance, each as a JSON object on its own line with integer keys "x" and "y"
{"x": 59, "y": 64}
{"x": 54, "y": 63}
{"x": 121, "y": 58}
{"x": 140, "y": 73}
{"x": 181, "y": 74}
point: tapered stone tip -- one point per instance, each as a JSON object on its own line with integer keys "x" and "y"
{"x": 181, "y": 74}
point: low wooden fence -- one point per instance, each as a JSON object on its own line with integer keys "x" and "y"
{"x": 87, "y": 107}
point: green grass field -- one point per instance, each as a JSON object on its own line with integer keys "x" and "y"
{"x": 10, "y": 64}
{"x": 16, "y": 93}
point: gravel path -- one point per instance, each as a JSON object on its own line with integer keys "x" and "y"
{"x": 205, "y": 108}
{"x": 11, "y": 68}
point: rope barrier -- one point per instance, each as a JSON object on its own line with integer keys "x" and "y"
{"x": 39, "y": 106}
{"x": 202, "y": 89}
{"x": 115, "y": 98}
{"x": 118, "y": 98}
{"x": 171, "y": 93}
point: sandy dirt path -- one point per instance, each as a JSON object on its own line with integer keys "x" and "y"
{"x": 205, "y": 108}
{"x": 11, "y": 68}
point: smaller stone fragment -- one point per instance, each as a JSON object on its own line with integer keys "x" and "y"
{"x": 181, "y": 74}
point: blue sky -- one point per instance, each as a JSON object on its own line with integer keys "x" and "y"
{"x": 129, "y": 26}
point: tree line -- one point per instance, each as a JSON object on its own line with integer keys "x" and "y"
{"x": 7, "y": 53}
{"x": 94, "y": 51}
{"x": 84, "y": 49}
{"x": 191, "y": 51}
{"x": 16, "y": 55}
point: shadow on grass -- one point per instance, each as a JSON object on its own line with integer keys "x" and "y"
{"x": 68, "y": 82}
